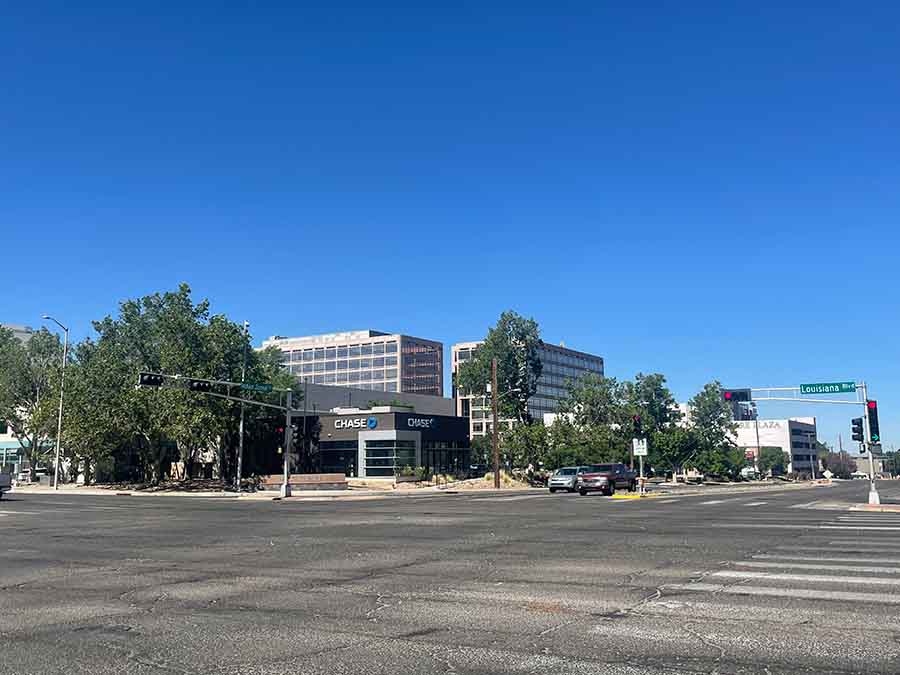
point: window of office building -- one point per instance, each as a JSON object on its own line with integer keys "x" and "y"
{"x": 342, "y": 365}
{"x": 320, "y": 353}
{"x": 390, "y": 373}
{"x": 307, "y": 354}
{"x": 390, "y": 347}
{"x": 319, "y": 379}
{"x": 365, "y": 350}
{"x": 330, "y": 366}
{"x": 365, "y": 375}
{"x": 354, "y": 350}
{"x": 354, "y": 376}
{"x": 319, "y": 366}
{"x": 390, "y": 386}
{"x": 307, "y": 367}
{"x": 377, "y": 374}
{"x": 390, "y": 360}
{"x": 354, "y": 364}
{"x": 378, "y": 362}
{"x": 378, "y": 348}
{"x": 285, "y": 357}
{"x": 342, "y": 352}
{"x": 330, "y": 352}
{"x": 340, "y": 378}
{"x": 329, "y": 378}
{"x": 365, "y": 363}
{"x": 297, "y": 355}
{"x": 378, "y": 386}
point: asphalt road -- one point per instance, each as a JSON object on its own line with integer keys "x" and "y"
{"x": 535, "y": 583}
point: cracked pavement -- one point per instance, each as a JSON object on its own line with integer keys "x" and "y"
{"x": 448, "y": 583}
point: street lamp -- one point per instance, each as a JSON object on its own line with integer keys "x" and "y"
{"x": 62, "y": 386}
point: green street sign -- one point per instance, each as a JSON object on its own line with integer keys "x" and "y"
{"x": 828, "y": 388}
{"x": 264, "y": 388}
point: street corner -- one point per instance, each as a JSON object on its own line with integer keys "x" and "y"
{"x": 877, "y": 508}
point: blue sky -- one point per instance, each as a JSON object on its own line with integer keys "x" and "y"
{"x": 708, "y": 191}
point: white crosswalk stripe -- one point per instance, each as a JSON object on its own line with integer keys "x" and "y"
{"x": 851, "y": 560}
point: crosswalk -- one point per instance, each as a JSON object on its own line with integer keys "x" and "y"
{"x": 853, "y": 558}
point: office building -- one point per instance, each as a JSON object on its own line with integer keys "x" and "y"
{"x": 324, "y": 398}
{"x": 365, "y": 359}
{"x": 560, "y": 365}
{"x": 795, "y": 436}
{"x": 21, "y": 333}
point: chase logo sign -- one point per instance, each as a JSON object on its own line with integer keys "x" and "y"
{"x": 356, "y": 423}
{"x": 421, "y": 422}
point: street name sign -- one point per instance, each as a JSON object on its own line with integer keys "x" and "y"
{"x": 249, "y": 386}
{"x": 828, "y": 388}
{"x": 640, "y": 447}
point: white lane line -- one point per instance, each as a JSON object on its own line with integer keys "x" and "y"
{"x": 821, "y": 568}
{"x": 664, "y": 501}
{"x": 761, "y": 526}
{"x": 808, "y": 578}
{"x": 887, "y": 542}
{"x": 805, "y": 593}
{"x": 867, "y": 528}
{"x": 509, "y": 499}
{"x": 755, "y": 503}
{"x": 803, "y": 558}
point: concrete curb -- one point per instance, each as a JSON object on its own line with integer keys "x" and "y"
{"x": 877, "y": 508}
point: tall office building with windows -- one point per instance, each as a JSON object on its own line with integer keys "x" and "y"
{"x": 560, "y": 365}
{"x": 365, "y": 359}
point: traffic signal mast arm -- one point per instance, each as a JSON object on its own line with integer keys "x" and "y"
{"x": 156, "y": 380}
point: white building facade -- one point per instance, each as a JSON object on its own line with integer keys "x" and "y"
{"x": 796, "y": 436}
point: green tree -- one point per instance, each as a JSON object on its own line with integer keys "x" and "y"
{"x": 514, "y": 342}
{"x": 711, "y": 421}
{"x": 771, "y": 459}
{"x": 650, "y": 398}
{"x": 671, "y": 448}
{"x": 524, "y": 444}
{"x": 595, "y": 401}
{"x": 28, "y": 399}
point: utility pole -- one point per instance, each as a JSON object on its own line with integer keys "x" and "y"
{"x": 240, "y": 457}
{"x": 758, "y": 447}
{"x": 286, "y": 484}
{"x": 495, "y": 432}
{"x": 62, "y": 386}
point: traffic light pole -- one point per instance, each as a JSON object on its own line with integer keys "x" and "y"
{"x": 286, "y": 483}
{"x": 874, "y": 498}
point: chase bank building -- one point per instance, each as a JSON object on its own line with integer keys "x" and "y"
{"x": 385, "y": 440}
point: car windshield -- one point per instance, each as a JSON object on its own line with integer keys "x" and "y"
{"x": 566, "y": 472}
{"x": 599, "y": 468}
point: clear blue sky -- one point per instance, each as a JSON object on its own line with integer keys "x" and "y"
{"x": 708, "y": 190}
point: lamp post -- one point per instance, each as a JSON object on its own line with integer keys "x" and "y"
{"x": 62, "y": 386}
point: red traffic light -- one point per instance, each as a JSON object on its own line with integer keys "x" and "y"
{"x": 728, "y": 395}
{"x": 872, "y": 404}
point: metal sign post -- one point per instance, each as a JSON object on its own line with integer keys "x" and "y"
{"x": 639, "y": 448}
{"x": 286, "y": 483}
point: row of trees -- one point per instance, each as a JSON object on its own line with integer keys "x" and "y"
{"x": 116, "y": 429}
{"x": 597, "y": 421}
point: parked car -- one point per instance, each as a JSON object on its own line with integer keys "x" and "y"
{"x": 606, "y": 478}
{"x": 563, "y": 479}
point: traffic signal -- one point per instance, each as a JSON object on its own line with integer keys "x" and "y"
{"x": 202, "y": 386}
{"x": 150, "y": 380}
{"x": 736, "y": 395}
{"x": 638, "y": 428}
{"x": 296, "y": 434}
{"x": 4, "y": 429}
{"x": 856, "y": 425}
{"x": 872, "y": 414}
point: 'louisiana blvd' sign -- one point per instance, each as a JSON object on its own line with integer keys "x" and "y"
{"x": 828, "y": 388}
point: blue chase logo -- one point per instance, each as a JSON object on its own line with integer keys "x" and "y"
{"x": 371, "y": 422}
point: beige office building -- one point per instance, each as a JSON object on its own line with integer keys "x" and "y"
{"x": 365, "y": 359}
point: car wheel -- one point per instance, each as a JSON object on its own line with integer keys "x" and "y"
{"x": 552, "y": 489}
{"x": 582, "y": 492}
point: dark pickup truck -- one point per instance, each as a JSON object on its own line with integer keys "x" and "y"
{"x": 605, "y": 478}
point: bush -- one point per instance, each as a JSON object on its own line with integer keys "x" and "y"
{"x": 407, "y": 471}
{"x": 422, "y": 473}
